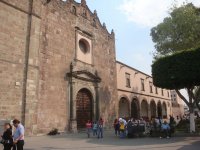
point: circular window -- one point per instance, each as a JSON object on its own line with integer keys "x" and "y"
{"x": 84, "y": 46}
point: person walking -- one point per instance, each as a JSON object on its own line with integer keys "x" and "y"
{"x": 7, "y": 139}
{"x": 18, "y": 135}
{"x": 88, "y": 128}
{"x": 100, "y": 128}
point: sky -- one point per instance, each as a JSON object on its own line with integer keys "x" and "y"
{"x": 132, "y": 21}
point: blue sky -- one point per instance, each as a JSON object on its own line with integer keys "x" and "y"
{"x": 132, "y": 21}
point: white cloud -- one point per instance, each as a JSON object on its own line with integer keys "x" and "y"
{"x": 148, "y": 13}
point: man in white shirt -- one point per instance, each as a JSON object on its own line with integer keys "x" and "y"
{"x": 18, "y": 135}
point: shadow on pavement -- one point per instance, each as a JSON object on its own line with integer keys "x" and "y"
{"x": 111, "y": 139}
{"x": 192, "y": 146}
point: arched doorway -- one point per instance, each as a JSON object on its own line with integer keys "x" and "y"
{"x": 159, "y": 109}
{"x": 153, "y": 109}
{"x": 123, "y": 107}
{"x": 83, "y": 107}
{"x": 144, "y": 109}
{"x": 164, "y": 110}
{"x": 135, "y": 109}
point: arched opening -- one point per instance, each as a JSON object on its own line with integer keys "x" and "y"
{"x": 83, "y": 107}
{"x": 159, "y": 109}
{"x": 144, "y": 109}
{"x": 164, "y": 110}
{"x": 153, "y": 109}
{"x": 124, "y": 107}
{"x": 135, "y": 109}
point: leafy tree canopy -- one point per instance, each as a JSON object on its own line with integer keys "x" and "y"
{"x": 180, "y": 31}
{"x": 177, "y": 71}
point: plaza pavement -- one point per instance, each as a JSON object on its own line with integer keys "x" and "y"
{"x": 109, "y": 142}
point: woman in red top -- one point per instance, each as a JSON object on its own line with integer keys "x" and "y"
{"x": 88, "y": 128}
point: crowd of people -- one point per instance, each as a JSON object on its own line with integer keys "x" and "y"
{"x": 134, "y": 127}
{"x": 13, "y": 140}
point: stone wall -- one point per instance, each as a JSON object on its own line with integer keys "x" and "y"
{"x": 13, "y": 29}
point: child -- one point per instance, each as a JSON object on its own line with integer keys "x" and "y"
{"x": 95, "y": 127}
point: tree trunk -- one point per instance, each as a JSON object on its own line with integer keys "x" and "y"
{"x": 190, "y": 104}
{"x": 192, "y": 120}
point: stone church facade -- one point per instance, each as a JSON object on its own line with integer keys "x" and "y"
{"x": 58, "y": 67}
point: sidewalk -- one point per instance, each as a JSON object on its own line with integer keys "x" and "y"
{"x": 81, "y": 142}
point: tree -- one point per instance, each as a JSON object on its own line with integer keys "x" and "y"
{"x": 178, "y": 71}
{"x": 178, "y": 33}
{"x": 197, "y": 96}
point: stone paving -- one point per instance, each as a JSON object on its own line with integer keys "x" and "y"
{"x": 110, "y": 142}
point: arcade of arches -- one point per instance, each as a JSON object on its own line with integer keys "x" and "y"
{"x": 141, "y": 109}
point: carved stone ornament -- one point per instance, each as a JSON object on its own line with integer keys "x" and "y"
{"x": 91, "y": 77}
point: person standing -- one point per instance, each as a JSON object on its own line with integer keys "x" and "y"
{"x": 88, "y": 128}
{"x": 165, "y": 129}
{"x": 94, "y": 128}
{"x": 100, "y": 128}
{"x": 7, "y": 139}
{"x": 18, "y": 135}
{"x": 122, "y": 128}
{"x": 116, "y": 127}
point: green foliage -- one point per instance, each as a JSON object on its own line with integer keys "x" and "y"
{"x": 179, "y": 31}
{"x": 197, "y": 96}
{"x": 183, "y": 125}
{"x": 177, "y": 71}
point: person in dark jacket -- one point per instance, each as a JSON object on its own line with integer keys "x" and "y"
{"x": 7, "y": 139}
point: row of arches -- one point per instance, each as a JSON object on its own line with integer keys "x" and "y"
{"x": 135, "y": 109}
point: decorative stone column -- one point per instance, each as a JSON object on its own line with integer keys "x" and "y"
{"x": 72, "y": 119}
{"x": 149, "y": 111}
{"x": 97, "y": 103}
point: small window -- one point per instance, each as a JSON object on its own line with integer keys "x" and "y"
{"x": 142, "y": 85}
{"x": 162, "y": 92}
{"x": 84, "y": 46}
{"x": 168, "y": 93}
{"x": 128, "y": 80}
{"x": 156, "y": 89}
{"x": 151, "y": 87}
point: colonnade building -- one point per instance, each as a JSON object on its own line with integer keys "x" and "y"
{"x": 138, "y": 97}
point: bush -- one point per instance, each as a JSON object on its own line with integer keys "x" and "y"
{"x": 177, "y": 71}
{"x": 197, "y": 121}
